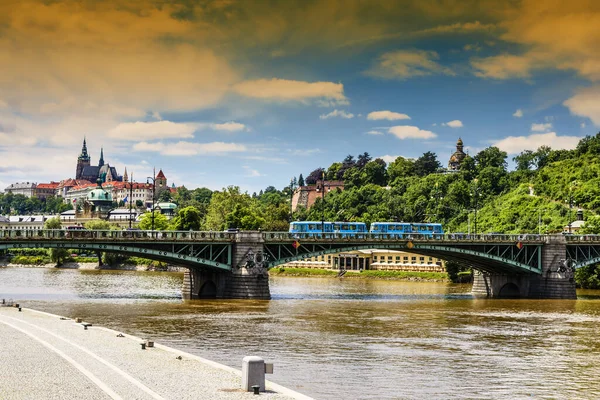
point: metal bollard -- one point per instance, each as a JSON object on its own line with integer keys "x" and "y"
{"x": 150, "y": 343}
{"x": 19, "y": 309}
{"x": 17, "y": 305}
{"x": 253, "y": 373}
{"x": 256, "y": 388}
{"x": 143, "y": 346}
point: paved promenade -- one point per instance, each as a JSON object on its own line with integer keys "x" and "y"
{"x": 46, "y": 357}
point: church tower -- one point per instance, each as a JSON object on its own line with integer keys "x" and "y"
{"x": 457, "y": 157}
{"x": 125, "y": 177}
{"x": 101, "y": 162}
{"x": 82, "y": 161}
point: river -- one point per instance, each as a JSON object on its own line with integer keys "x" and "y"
{"x": 348, "y": 338}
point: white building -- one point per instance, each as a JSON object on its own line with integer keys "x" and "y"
{"x": 27, "y": 189}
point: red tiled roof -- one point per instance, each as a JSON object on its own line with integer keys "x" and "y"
{"x": 51, "y": 185}
{"x": 160, "y": 175}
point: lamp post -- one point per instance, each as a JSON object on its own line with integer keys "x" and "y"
{"x": 476, "y": 198}
{"x": 153, "y": 178}
{"x": 130, "y": 198}
{"x": 323, "y": 200}
{"x": 291, "y": 199}
{"x": 570, "y": 202}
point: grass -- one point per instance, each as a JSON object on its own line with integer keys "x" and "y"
{"x": 399, "y": 275}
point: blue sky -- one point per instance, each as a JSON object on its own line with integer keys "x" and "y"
{"x": 222, "y": 92}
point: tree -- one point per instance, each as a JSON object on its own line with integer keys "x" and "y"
{"x": 375, "y": 172}
{"x": 222, "y": 204}
{"x": 427, "y": 164}
{"x": 53, "y": 223}
{"x": 315, "y": 176}
{"x": 363, "y": 160}
{"x": 491, "y": 157}
{"x": 188, "y": 218}
{"x": 300, "y": 180}
{"x": 525, "y": 160}
{"x": 165, "y": 196}
{"x": 160, "y": 221}
{"x": 100, "y": 225}
{"x": 139, "y": 204}
{"x": 399, "y": 168}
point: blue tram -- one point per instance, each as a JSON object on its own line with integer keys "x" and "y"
{"x": 312, "y": 228}
{"x": 406, "y": 228}
{"x": 352, "y": 229}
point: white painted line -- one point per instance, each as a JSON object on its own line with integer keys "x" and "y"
{"x": 80, "y": 367}
{"x": 103, "y": 361}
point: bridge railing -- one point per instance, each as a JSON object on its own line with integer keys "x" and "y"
{"x": 449, "y": 237}
{"x": 60, "y": 234}
{"x": 582, "y": 238}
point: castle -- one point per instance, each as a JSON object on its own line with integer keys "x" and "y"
{"x": 92, "y": 173}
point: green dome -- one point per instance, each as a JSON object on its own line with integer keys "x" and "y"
{"x": 99, "y": 195}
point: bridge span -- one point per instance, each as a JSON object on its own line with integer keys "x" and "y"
{"x": 235, "y": 264}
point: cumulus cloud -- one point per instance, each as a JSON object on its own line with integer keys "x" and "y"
{"x": 229, "y": 127}
{"x": 517, "y": 144}
{"x": 90, "y": 59}
{"x": 290, "y": 90}
{"x": 183, "y": 148}
{"x": 374, "y": 132}
{"x": 541, "y": 127}
{"x": 518, "y": 113}
{"x": 404, "y": 64}
{"x": 152, "y": 130}
{"x": 503, "y": 66}
{"x": 453, "y": 124}
{"x": 410, "y": 132}
{"x": 389, "y": 115}
{"x": 337, "y": 113}
{"x": 586, "y": 103}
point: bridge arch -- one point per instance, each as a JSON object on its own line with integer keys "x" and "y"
{"x": 510, "y": 290}
{"x": 484, "y": 261}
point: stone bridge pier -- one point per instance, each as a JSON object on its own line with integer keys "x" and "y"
{"x": 248, "y": 278}
{"x": 556, "y": 281}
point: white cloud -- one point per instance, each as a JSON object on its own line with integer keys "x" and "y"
{"x": 541, "y": 127}
{"x": 156, "y": 115}
{"x": 410, "y": 132}
{"x": 328, "y": 93}
{"x": 152, "y": 130}
{"x": 337, "y": 113}
{"x": 403, "y": 64}
{"x": 582, "y": 125}
{"x": 229, "y": 126}
{"x": 389, "y": 115}
{"x": 586, "y": 103}
{"x": 388, "y": 159}
{"x": 453, "y": 124}
{"x": 518, "y": 113}
{"x": 251, "y": 173}
{"x": 189, "y": 148}
{"x": 517, "y": 144}
{"x": 374, "y": 132}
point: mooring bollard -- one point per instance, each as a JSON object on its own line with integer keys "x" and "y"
{"x": 143, "y": 346}
{"x": 150, "y": 343}
{"x": 17, "y": 305}
{"x": 19, "y": 309}
{"x": 253, "y": 373}
{"x": 256, "y": 388}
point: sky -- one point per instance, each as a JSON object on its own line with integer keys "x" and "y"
{"x": 253, "y": 93}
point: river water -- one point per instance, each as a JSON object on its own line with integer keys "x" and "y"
{"x": 348, "y": 339}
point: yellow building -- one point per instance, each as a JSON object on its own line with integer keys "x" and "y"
{"x": 376, "y": 259}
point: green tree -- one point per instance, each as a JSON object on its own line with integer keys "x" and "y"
{"x": 223, "y": 203}
{"x": 301, "y": 180}
{"x": 165, "y": 196}
{"x": 188, "y": 218}
{"x": 161, "y": 222}
{"x": 400, "y": 168}
{"x": 427, "y": 164}
{"x": 100, "y": 225}
{"x": 491, "y": 157}
{"x": 53, "y": 223}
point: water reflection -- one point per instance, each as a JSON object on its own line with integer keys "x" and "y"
{"x": 346, "y": 338}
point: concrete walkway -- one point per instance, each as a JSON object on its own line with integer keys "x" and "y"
{"x": 44, "y": 356}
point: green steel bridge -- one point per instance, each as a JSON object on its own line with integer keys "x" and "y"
{"x": 239, "y": 252}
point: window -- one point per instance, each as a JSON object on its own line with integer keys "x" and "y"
{"x": 405, "y": 258}
{"x": 413, "y": 258}
{"x": 375, "y": 258}
{"x": 390, "y": 258}
{"x": 421, "y": 258}
{"x": 397, "y": 258}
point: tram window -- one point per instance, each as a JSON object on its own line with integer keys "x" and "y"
{"x": 312, "y": 227}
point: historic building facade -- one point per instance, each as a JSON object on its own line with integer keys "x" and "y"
{"x": 306, "y": 196}
{"x": 457, "y": 157}
{"x": 91, "y": 173}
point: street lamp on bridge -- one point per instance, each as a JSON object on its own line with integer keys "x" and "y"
{"x": 153, "y": 179}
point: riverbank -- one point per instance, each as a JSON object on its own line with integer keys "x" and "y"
{"x": 48, "y": 356}
{"x": 368, "y": 274}
{"x": 93, "y": 266}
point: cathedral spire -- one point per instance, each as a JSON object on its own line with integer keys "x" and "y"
{"x": 125, "y": 178}
{"x": 84, "y": 156}
{"x": 101, "y": 162}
